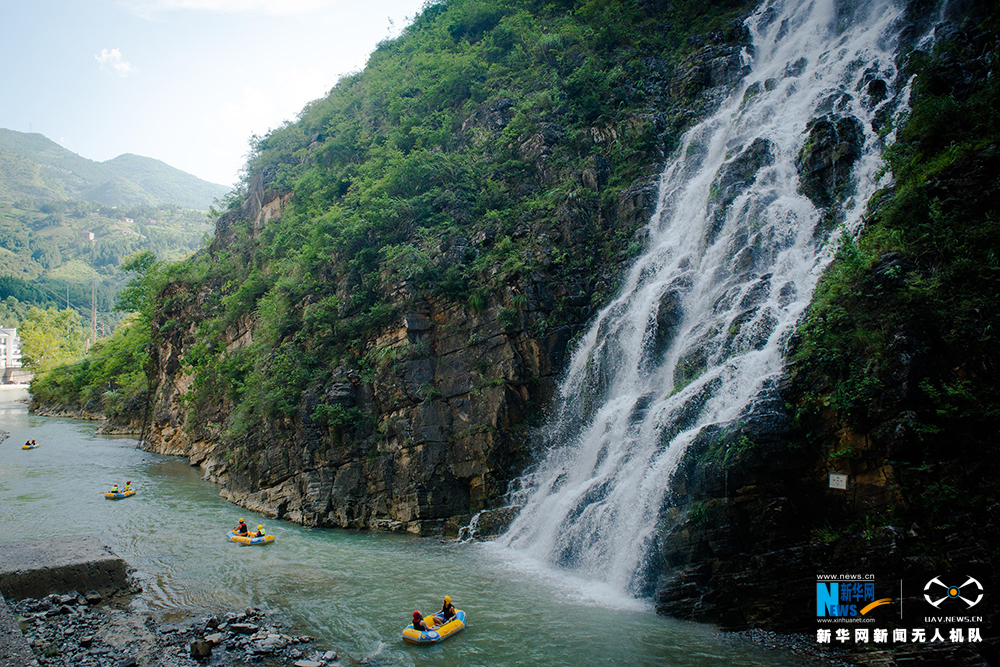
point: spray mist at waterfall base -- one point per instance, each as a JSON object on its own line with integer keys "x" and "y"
{"x": 749, "y": 215}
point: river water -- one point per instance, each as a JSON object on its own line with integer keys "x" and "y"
{"x": 354, "y": 591}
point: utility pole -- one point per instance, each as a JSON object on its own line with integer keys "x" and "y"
{"x": 67, "y": 296}
{"x": 93, "y": 309}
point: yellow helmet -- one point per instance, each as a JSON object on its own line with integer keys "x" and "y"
{"x": 242, "y": 520}
{"x": 260, "y": 527}
{"x": 447, "y": 599}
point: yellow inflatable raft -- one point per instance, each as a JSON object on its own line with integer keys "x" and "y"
{"x": 250, "y": 540}
{"x": 119, "y": 495}
{"x": 29, "y": 446}
{"x": 439, "y": 633}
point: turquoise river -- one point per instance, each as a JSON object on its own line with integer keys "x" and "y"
{"x": 354, "y": 591}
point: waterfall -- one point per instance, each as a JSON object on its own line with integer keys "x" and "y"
{"x": 701, "y": 323}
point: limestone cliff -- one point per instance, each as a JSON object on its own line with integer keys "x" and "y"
{"x": 420, "y": 411}
{"x": 891, "y": 384}
{"x": 449, "y": 398}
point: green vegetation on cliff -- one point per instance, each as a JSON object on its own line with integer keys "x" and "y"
{"x": 900, "y": 345}
{"x": 492, "y": 145}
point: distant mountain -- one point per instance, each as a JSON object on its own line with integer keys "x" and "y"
{"x": 33, "y": 166}
{"x": 120, "y": 191}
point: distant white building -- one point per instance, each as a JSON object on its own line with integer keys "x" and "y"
{"x": 10, "y": 354}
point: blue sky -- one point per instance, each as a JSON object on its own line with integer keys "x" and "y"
{"x": 183, "y": 81}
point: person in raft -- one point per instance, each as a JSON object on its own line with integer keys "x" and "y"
{"x": 260, "y": 532}
{"x": 27, "y": 443}
{"x": 114, "y": 488}
{"x": 33, "y": 443}
{"x": 419, "y": 623}
{"x": 447, "y": 610}
{"x": 128, "y": 486}
{"x": 242, "y": 528}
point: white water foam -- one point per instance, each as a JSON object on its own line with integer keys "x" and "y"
{"x": 702, "y": 320}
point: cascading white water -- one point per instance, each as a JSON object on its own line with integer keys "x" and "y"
{"x": 702, "y": 320}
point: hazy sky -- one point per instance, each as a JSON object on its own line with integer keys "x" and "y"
{"x": 183, "y": 81}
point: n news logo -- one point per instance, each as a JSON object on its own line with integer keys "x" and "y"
{"x": 841, "y": 599}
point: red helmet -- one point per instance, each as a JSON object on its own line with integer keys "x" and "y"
{"x": 416, "y": 614}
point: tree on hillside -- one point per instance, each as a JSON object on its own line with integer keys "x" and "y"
{"x": 137, "y": 295}
{"x": 51, "y": 338}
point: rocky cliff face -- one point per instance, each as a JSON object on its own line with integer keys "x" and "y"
{"x": 754, "y": 518}
{"x": 446, "y": 406}
{"x": 449, "y": 400}
{"x": 430, "y": 421}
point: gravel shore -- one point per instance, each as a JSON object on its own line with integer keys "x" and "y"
{"x": 800, "y": 644}
{"x": 83, "y": 630}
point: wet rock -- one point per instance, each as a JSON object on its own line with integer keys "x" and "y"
{"x": 827, "y": 158}
{"x": 692, "y": 363}
{"x": 710, "y": 67}
{"x": 215, "y": 638}
{"x": 787, "y": 294}
{"x": 200, "y": 649}
{"x": 752, "y": 91}
{"x": 490, "y": 523}
{"x": 796, "y": 68}
{"x": 734, "y": 178}
{"x": 669, "y": 315}
{"x": 308, "y": 663}
{"x": 270, "y": 644}
{"x": 244, "y": 628}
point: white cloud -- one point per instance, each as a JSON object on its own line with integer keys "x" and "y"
{"x": 111, "y": 61}
{"x": 274, "y": 7}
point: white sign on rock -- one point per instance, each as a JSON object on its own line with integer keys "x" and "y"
{"x": 838, "y": 480}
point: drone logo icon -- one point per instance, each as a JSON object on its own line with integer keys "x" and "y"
{"x": 971, "y": 586}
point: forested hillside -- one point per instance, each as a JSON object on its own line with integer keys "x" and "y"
{"x": 66, "y": 223}
{"x": 34, "y": 167}
{"x": 59, "y": 251}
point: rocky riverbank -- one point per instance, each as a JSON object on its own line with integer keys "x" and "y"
{"x": 109, "y": 426}
{"x": 86, "y": 630}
